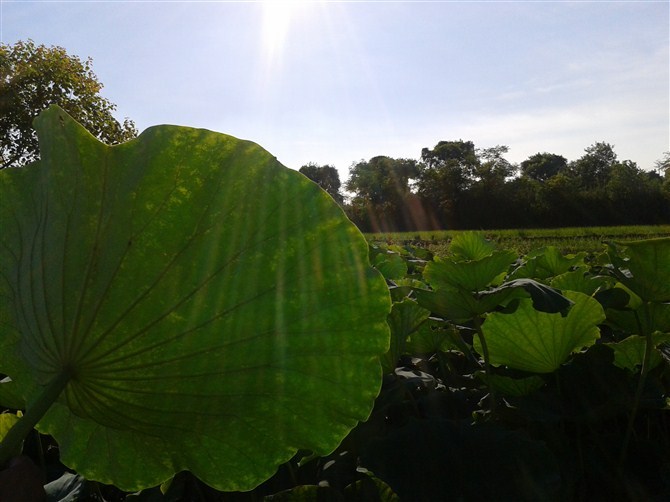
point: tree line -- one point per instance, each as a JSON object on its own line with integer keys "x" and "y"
{"x": 453, "y": 185}
{"x": 458, "y": 186}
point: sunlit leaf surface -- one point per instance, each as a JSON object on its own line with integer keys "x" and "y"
{"x": 214, "y": 310}
{"x": 644, "y": 267}
{"x": 540, "y": 342}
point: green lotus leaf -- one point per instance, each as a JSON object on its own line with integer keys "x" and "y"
{"x": 459, "y": 305}
{"x": 7, "y": 420}
{"x": 434, "y": 337}
{"x": 513, "y": 387}
{"x": 451, "y": 304}
{"x": 8, "y": 396}
{"x": 545, "y": 298}
{"x": 547, "y": 262}
{"x": 188, "y": 302}
{"x": 468, "y": 275}
{"x": 641, "y": 320}
{"x": 577, "y": 280}
{"x": 471, "y": 246}
{"x": 629, "y": 353}
{"x": 540, "y": 342}
{"x": 644, "y": 267}
{"x": 405, "y": 318}
{"x": 391, "y": 265}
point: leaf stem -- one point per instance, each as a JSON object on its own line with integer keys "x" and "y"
{"x": 487, "y": 366}
{"x": 15, "y": 436}
{"x": 646, "y": 361}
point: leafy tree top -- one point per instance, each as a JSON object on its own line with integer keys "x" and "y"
{"x": 543, "y": 166}
{"x": 326, "y": 177}
{"x": 382, "y": 179}
{"x": 460, "y": 151}
{"x": 594, "y": 167}
{"x": 33, "y": 77}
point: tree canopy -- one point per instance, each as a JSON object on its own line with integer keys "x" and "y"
{"x": 326, "y": 177}
{"x": 456, "y": 185}
{"x": 381, "y": 190}
{"x": 543, "y": 166}
{"x": 32, "y": 77}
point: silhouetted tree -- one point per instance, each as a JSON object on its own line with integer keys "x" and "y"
{"x": 381, "y": 189}
{"x": 594, "y": 167}
{"x": 543, "y": 166}
{"x": 448, "y": 171}
{"x": 326, "y": 177}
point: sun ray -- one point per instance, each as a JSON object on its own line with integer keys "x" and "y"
{"x": 277, "y": 21}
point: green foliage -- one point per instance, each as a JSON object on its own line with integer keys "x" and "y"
{"x": 471, "y": 275}
{"x": 543, "y": 166}
{"x": 629, "y": 352}
{"x": 177, "y": 300}
{"x": 594, "y": 167}
{"x": 471, "y": 246}
{"x": 644, "y": 267}
{"x": 536, "y": 377}
{"x": 493, "y": 363}
{"x": 326, "y": 177}
{"x": 540, "y": 342}
{"x": 569, "y": 240}
{"x": 405, "y": 318}
{"x": 7, "y": 421}
{"x": 381, "y": 191}
{"x": 32, "y": 78}
{"x": 459, "y": 187}
{"x": 548, "y": 262}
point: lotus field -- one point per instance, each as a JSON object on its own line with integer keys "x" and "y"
{"x": 183, "y": 318}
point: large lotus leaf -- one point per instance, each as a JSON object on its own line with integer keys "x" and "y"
{"x": 629, "y": 353}
{"x": 468, "y": 246}
{"x": 435, "y": 336}
{"x": 405, "y": 318}
{"x": 459, "y": 305}
{"x": 645, "y": 269}
{"x": 448, "y": 303}
{"x": 513, "y": 387}
{"x": 547, "y": 262}
{"x": 210, "y": 309}
{"x": 8, "y": 396}
{"x": 577, "y": 280}
{"x": 641, "y": 320}
{"x": 468, "y": 275}
{"x": 545, "y": 298}
{"x": 540, "y": 342}
{"x": 391, "y": 265}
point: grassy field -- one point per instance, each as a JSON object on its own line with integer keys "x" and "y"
{"x": 568, "y": 240}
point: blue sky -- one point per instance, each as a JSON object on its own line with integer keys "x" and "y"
{"x": 337, "y": 82}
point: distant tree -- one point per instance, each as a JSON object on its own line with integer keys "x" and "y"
{"x": 488, "y": 202}
{"x": 594, "y": 167}
{"x": 326, "y": 177}
{"x": 492, "y": 166}
{"x": 381, "y": 187}
{"x": 461, "y": 152}
{"x": 559, "y": 202}
{"x": 543, "y": 166}
{"x": 448, "y": 171}
{"x": 636, "y": 196}
{"x": 662, "y": 167}
{"x": 32, "y": 78}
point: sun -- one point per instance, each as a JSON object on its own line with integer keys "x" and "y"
{"x": 278, "y": 17}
